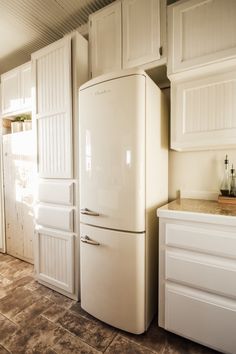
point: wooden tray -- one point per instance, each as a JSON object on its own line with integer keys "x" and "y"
{"x": 227, "y": 200}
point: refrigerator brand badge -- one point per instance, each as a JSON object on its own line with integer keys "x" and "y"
{"x": 102, "y": 92}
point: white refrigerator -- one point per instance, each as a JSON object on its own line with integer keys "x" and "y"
{"x": 123, "y": 179}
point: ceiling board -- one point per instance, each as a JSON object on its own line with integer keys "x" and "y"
{"x": 28, "y": 25}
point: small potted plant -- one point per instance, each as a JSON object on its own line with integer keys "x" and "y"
{"x": 27, "y": 122}
{"x": 16, "y": 124}
{"x": 21, "y": 122}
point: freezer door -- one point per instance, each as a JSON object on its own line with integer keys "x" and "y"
{"x": 113, "y": 277}
{"x": 112, "y": 154}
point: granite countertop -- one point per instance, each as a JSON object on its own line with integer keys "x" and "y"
{"x": 199, "y": 210}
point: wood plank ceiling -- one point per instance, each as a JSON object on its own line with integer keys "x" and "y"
{"x": 28, "y": 25}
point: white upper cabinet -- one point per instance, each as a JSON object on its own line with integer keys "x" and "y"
{"x": 53, "y": 109}
{"x": 200, "y": 32}
{"x": 141, "y": 32}
{"x": 25, "y": 83}
{"x": 16, "y": 90}
{"x": 105, "y": 39}
{"x": 203, "y": 112}
{"x": 127, "y": 34}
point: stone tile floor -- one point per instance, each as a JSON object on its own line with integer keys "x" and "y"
{"x": 35, "y": 319}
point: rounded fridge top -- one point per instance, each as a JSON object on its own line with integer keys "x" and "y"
{"x": 112, "y": 76}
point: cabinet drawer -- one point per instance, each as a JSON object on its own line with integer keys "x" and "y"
{"x": 55, "y": 217}
{"x": 56, "y": 192}
{"x": 202, "y": 271}
{"x": 204, "y": 318}
{"x": 201, "y": 239}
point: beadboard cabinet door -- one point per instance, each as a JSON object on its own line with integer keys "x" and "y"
{"x": 105, "y": 39}
{"x": 16, "y": 90}
{"x": 10, "y": 87}
{"x": 25, "y": 86}
{"x": 19, "y": 183}
{"x": 141, "y": 32}
{"x": 203, "y": 112}
{"x": 53, "y": 109}
{"x": 54, "y": 259}
{"x": 200, "y": 32}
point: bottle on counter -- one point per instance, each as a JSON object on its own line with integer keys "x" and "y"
{"x": 233, "y": 182}
{"x": 225, "y": 184}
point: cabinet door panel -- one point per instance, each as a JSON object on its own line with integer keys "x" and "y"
{"x": 19, "y": 168}
{"x": 141, "y": 32}
{"x": 10, "y": 83}
{"x": 201, "y": 32}
{"x": 105, "y": 40}
{"x": 55, "y": 258}
{"x": 204, "y": 112}
{"x": 52, "y": 67}
{"x": 26, "y": 86}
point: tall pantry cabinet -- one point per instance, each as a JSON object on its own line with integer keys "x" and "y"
{"x": 17, "y": 165}
{"x": 58, "y": 70}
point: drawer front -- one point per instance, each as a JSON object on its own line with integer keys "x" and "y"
{"x": 206, "y": 319}
{"x": 201, "y": 239}
{"x": 55, "y": 217}
{"x": 202, "y": 271}
{"x": 55, "y": 192}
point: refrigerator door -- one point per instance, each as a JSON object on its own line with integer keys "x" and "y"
{"x": 112, "y": 154}
{"x": 113, "y": 277}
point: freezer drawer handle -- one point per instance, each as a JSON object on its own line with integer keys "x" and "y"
{"x": 88, "y": 212}
{"x": 86, "y": 239}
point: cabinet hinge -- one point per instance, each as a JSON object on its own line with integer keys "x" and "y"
{"x": 160, "y": 51}
{"x": 91, "y": 75}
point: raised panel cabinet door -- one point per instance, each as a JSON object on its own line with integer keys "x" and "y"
{"x": 54, "y": 259}
{"x": 105, "y": 39}
{"x": 141, "y": 32}
{"x": 53, "y": 109}
{"x": 204, "y": 112}
{"x": 10, "y": 86}
{"x": 200, "y": 32}
{"x": 25, "y": 86}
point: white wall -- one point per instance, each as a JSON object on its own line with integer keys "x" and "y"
{"x": 197, "y": 171}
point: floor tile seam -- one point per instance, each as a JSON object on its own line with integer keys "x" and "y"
{"x": 112, "y": 339}
{"x": 48, "y": 297}
{"x": 138, "y": 344}
{"x": 117, "y": 334}
{"x": 143, "y": 345}
{"x": 11, "y": 320}
{"x": 71, "y": 333}
{"x": 6, "y": 348}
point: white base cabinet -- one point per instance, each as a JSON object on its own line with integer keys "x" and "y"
{"x": 197, "y": 270}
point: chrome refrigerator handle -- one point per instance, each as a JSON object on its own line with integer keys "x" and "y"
{"x": 86, "y": 211}
{"x": 88, "y": 240}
